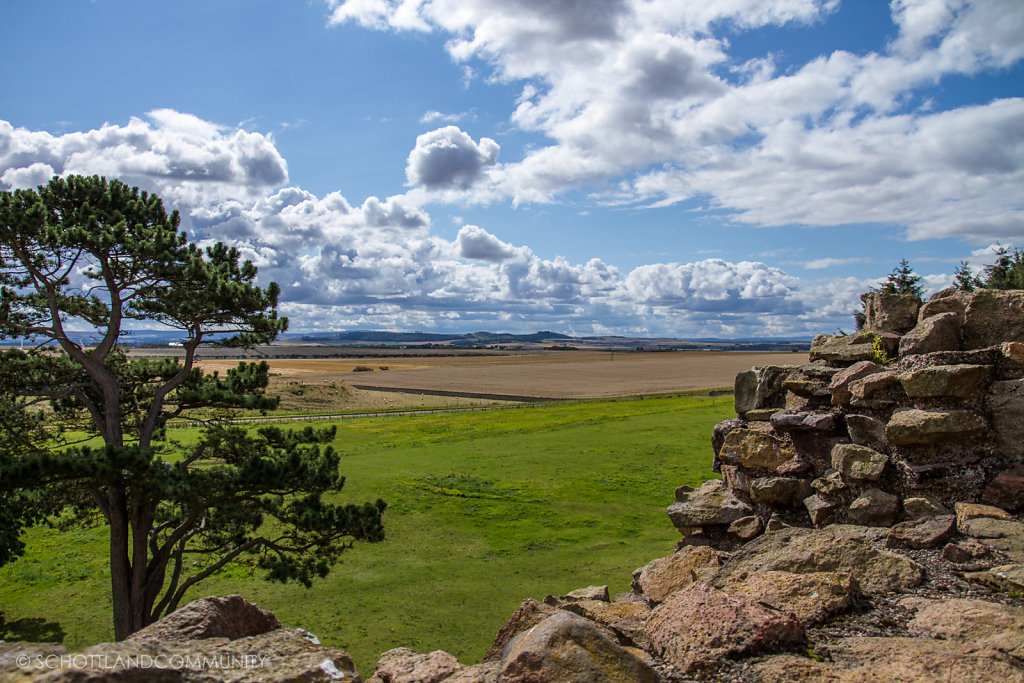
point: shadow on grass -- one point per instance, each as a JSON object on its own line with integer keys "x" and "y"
{"x": 31, "y": 629}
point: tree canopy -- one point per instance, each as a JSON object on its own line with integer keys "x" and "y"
{"x": 902, "y": 280}
{"x": 1007, "y": 272}
{"x": 83, "y": 425}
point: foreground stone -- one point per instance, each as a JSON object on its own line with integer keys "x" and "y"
{"x": 700, "y": 625}
{"x": 280, "y": 655}
{"x": 402, "y": 665}
{"x": 836, "y": 548}
{"x": 991, "y": 624}
{"x": 529, "y": 613}
{"x": 567, "y": 647}
{"x": 896, "y": 660}
{"x": 665, "y": 575}
{"x": 229, "y": 617}
{"x": 712, "y": 503}
{"x": 813, "y": 597}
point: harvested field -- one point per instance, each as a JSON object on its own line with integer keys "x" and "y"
{"x": 548, "y": 374}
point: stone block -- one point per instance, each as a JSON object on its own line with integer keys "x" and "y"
{"x": 945, "y": 381}
{"x": 779, "y": 491}
{"x": 843, "y": 349}
{"x": 942, "y": 332}
{"x": 867, "y": 431}
{"x": 751, "y": 448}
{"x": 875, "y": 507}
{"x": 839, "y": 386}
{"x": 1005, "y": 402}
{"x": 858, "y": 462}
{"x": 712, "y": 503}
{"x": 993, "y": 317}
{"x": 895, "y": 313}
{"x": 928, "y": 427}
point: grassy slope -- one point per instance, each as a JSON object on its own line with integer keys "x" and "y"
{"x": 486, "y": 509}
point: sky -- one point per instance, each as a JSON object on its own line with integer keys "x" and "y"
{"x": 728, "y": 168}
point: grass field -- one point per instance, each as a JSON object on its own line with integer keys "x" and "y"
{"x": 486, "y": 509}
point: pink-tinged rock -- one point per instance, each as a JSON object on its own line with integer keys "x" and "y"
{"x": 1006, "y": 490}
{"x": 813, "y": 597}
{"x": 1005, "y": 402}
{"x": 527, "y": 615}
{"x": 403, "y": 665}
{"x": 230, "y": 617}
{"x": 841, "y": 381}
{"x": 666, "y": 575}
{"x": 566, "y": 647}
{"x": 928, "y": 532}
{"x": 992, "y": 624}
{"x": 700, "y": 625}
{"x": 920, "y": 659}
{"x": 940, "y": 332}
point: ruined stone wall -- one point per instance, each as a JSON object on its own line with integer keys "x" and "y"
{"x": 923, "y": 408}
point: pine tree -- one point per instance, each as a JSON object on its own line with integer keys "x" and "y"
{"x": 902, "y": 280}
{"x": 1008, "y": 270}
{"x": 964, "y": 279}
{"x": 81, "y": 261}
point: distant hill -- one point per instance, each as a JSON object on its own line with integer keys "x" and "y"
{"x": 545, "y": 339}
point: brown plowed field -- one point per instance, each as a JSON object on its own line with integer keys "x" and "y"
{"x": 547, "y": 374}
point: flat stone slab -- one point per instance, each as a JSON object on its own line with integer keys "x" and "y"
{"x": 835, "y": 548}
{"x": 928, "y": 427}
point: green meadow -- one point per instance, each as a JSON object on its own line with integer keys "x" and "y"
{"x": 485, "y": 509}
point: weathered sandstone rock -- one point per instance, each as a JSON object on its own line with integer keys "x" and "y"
{"x": 821, "y": 510}
{"x": 229, "y": 617}
{"x": 896, "y": 313}
{"x": 779, "y": 491}
{"x": 920, "y": 659}
{"x": 836, "y": 548}
{"x": 866, "y": 431}
{"x": 909, "y": 427}
{"x": 712, "y": 503}
{"x": 625, "y": 619}
{"x": 699, "y": 625}
{"x": 927, "y": 532}
{"x": 945, "y": 381}
{"x": 1005, "y": 402}
{"x": 527, "y": 615}
{"x": 843, "y": 349}
{"x": 567, "y": 647}
{"x": 990, "y": 624}
{"x": 858, "y": 462}
{"x": 813, "y": 597}
{"x": 1006, "y": 490}
{"x": 874, "y": 507}
{"x": 940, "y": 332}
{"x": 993, "y": 317}
{"x": 841, "y": 381}
{"x": 760, "y": 388}
{"x": 918, "y": 506}
{"x": 665, "y": 575}
{"x": 402, "y": 665}
{"x": 751, "y": 448}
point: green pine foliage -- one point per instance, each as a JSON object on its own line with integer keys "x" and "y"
{"x": 902, "y": 280}
{"x": 82, "y": 426}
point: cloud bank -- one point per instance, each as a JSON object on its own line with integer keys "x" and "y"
{"x": 644, "y": 104}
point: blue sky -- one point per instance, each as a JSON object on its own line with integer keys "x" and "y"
{"x": 646, "y": 167}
